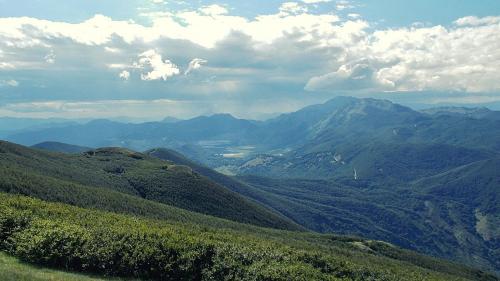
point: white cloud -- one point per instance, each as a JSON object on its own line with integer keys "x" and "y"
{"x": 205, "y": 27}
{"x": 461, "y": 58}
{"x": 120, "y": 66}
{"x": 213, "y": 10}
{"x": 318, "y": 51}
{"x": 292, "y": 8}
{"x": 159, "y": 68}
{"x": 194, "y": 64}
{"x": 112, "y": 50}
{"x": 474, "y": 21}
{"x": 436, "y": 58}
{"x": 9, "y": 83}
{"x": 50, "y": 58}
{"x": 344, "y": 4}
{"x": 125, "y": 75}
{"x": 358, "y": 76}
{"x": 6, "y": 65}
{"x": 29, "y": 32}
{"x": 354, "y": 16}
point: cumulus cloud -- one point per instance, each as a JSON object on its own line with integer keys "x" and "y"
{"x": 195, "y": 64}
{"x": 344, "y": 4}
{"x": 213, "y": 10}
{"x": 474, "y": 21}
{"x": 358, "y": 76}
{"x": 125, "y": 75}
{"x": 30, "y": 32}
{"x": 50, "y": 57}
{"x": 437, "y": 58}
{"x": 292, "y": 8}
{"x": 354, "y": 16}
{"x": 184, "y": 25}
{"x": 159, "y": 68}
{"x": 459, "y": 58}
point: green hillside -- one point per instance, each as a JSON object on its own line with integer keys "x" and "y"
{"x": 224, "y": 180}
{"x": 12, "y": 269}
{"x": 72, "y": 238}
{"x": 112, "y": 175}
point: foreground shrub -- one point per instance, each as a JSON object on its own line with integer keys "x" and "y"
{"x": 60, "y": 236}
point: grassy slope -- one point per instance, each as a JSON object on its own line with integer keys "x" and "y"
{"x": 171, "y": 155}
{"x": 227, "y": 181}
{"x": 106, "y": 243}
{"x": 46, "y": 188}
{"x": 12, "y": 269}
{"x": 93, "y": 179}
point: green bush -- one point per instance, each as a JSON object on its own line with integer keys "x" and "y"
{"x": 71, "y": 238}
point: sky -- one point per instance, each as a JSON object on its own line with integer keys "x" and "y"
{"x": 148, "y": 59}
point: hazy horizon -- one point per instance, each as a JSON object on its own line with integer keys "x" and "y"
{"x": 265, "y": 117}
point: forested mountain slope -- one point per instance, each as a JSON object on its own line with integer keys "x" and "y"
{"x": 74, "y": 178}
{"x": 452, "y": 215}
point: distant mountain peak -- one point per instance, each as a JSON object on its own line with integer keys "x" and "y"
{"x": 382, "y": 104}
{"x": 222, "y": 116}
{"x": 344, "y": 110}
{"x": 217, "y": 116}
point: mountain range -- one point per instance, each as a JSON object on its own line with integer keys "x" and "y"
{"x": 314, "y": 128}
{"x": 424, "y": 180}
